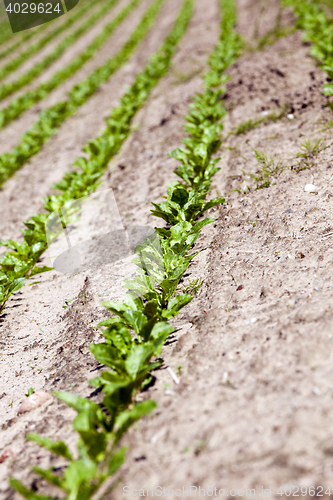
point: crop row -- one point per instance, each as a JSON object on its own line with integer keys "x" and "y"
{"x": 31, "y": 33}
{"x": 20, "y": 262}
{"x": 29, "y": 98}
{"x": 318, "y": 30}
{"x": 25, "y": 36}
{"x": 139, "y": 327}
{"x": 40, "y": 44}
{"x": 51, "y": 118}
{"x": 6, "y": 32}
{"x": 22, "y": 103}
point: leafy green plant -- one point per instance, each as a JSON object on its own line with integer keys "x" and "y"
{"x": 268, "y": 169}
{"x": 40, "y": 44}
{"x": 32, "y": 32}
{"x": 20, "y": 104}
{"x": 20, "y": 263}
{"x": 51, "y": 118}
{"x": 136, "y": 332}
{"x": 318, "y": 30}
{"x": 31, "y": 390}
{"x": 309, "y": 150}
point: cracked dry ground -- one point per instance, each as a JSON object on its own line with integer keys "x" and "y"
{"x": 254, "y": 404}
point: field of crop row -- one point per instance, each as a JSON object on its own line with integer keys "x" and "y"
{"x": 174, "y": 157}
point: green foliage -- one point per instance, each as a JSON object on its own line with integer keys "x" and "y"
{"x": 20, "y": 264}
{"x": 193, "y": 286}
{"x": 51, "y": 118}
{"x": 25, "y": 36}
{"x": 227, "y": 50}
{"x": 318, "y": 29}
{"x": 268, "y": 169}
{"x": 248, "y": 125}
{"x": 20, "y": 104}
{"x": 30, "y": 391}
{"x": 309, "y": 150}
{"x": 40, "y": 44}
{"x": 139, "y": 325}
{"x": 307, "y": 153}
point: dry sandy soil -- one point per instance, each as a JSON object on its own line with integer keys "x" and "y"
{"x": 254, "y": 402}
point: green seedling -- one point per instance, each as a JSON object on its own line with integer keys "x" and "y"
{"x": 248, "y": 125}
{"x": 34, "y": 48}
{"x": 308, "y": 151}
{"x": 192, "y": 287}
{"x": 67, "y": 302}
{"x": 317, "y": 26}
{"x": 268, "y": 169}
{"x": 8, "y": 88}
{"x": 30, "y": 391}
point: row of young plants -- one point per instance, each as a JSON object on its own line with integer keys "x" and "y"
{"x": 20, "y": 263}
{"x": 6, "y": 32}
{"x": 19, "y": 105}
{"x": 40, "y": 44}
{"x": 136, "y": 333}
{"x": 318, "y": 29}
{"x": 32, "y": 32}
{"x": 51, "y": 118}
{"x": 97, "y": 457}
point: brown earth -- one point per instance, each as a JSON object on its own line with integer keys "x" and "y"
{"x": 253, "y": 350}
